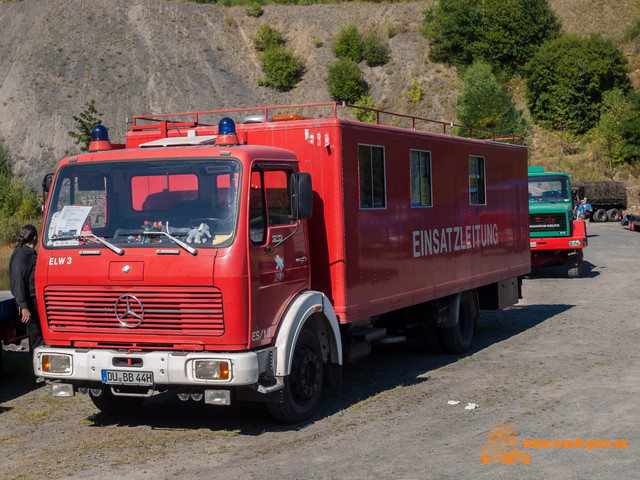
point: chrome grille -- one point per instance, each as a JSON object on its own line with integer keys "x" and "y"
{"x": 167, "y": 310}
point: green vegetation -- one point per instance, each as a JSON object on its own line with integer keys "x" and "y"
{"x": 19, "y": 204}
{"x": 632, "y": 32}
{"x": 282, "y": 68}
{"x": 255, "y": 10}
{"x": 346, "y": 82}
{"x": 630, "y": 128}
{"x": 353, "y": 45}
{"x": 415, "y": 91}
{"x": 567, "y": 78}
{"x": 375, "y": 50}
{"x": 614, "y": 109}
{"x": 349, "y": 43}
{"x": 366, "y": 101}
{"x": 504, "y": 33}
{"x": 85, "y": 121}
{"x": 484, "y": 103}
{"x": 267, "y": 37}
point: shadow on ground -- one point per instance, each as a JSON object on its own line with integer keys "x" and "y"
{"x": 362, "y": 380}
{"x": 589, "y": 270}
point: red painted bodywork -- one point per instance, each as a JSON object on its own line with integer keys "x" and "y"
{"x": 367, "y": 261}
{"x": 554, "y": 250}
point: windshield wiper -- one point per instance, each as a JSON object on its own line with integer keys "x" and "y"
{"x": 110, "y": 246}
{"x": 189, "y": 249}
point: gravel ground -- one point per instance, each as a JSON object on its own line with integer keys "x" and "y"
{"x": 561, "y": 365}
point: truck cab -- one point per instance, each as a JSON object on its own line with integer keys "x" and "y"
{"x": 170, "y": 268}
{"x": 556, "y": 238}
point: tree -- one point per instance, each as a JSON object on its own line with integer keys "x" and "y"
{"x": 505, "y": 33}
{"x": 615, "y": 106}
{"x": 345, "y": 82}
{"x": 630, "y": 130}
{"x": 85, "y": 121}
{"x": 484, "y": 103}
{"x": 567, "y": 77}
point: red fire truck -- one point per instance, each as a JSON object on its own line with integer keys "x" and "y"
{"x": 250, "y": 258}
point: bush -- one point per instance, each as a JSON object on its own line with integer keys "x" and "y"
{"x": 267, "y": 37}
{"x": 349, "y": 43}
{"x": 375, "y": 51}
{"x": 567, "y": 77}
{"x": 504, "y": 33}
{"x": 282, "y": 68}
{"x": 255, "y": 10}
{"x": 345, "y": 82}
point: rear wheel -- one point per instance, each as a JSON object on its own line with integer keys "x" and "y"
{"x": 600, "y": 215}
{"x": 458, "y": 339}
{"x": 303, "y": 386}
{"x": 613, "y": 215}
{"x": 112, "y": 404}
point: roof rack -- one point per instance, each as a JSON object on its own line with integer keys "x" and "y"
{"x": 190, "y": 120}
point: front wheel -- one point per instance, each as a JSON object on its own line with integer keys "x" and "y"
{"x": 574, "y": 264}
{"x": 303, "y": 386}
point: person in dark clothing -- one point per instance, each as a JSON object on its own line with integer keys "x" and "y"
{"x": 22, "y": 269}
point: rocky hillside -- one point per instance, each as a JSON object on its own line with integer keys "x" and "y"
{"x": 135, "y": 57}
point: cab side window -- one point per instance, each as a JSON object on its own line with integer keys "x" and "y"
{"x": 257, "y": 211}
{"x": 269, "y": 202}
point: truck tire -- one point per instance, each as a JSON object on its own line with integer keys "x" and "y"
{"x": 600, "y": 215}
{"x": 613, "y": 214}
{"x": 574, "y": 264}
{"x": 115, "y": 405}
{"x": 458, "y": 339}
{"x": 303, "y": 386}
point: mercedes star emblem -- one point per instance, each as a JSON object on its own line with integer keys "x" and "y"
{"x": 133, "y": 312}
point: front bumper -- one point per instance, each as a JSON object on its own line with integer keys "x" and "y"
{"x": 557, "y": 243}
{"x": 170, "y": 369}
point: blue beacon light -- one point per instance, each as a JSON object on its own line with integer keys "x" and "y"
{"x": 227, "y": 132}
{"x": 99, "y": 139}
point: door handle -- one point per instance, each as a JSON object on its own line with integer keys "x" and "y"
{"x": 301, "y": 259}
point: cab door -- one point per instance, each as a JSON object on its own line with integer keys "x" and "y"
{"x": 278, "y": 258}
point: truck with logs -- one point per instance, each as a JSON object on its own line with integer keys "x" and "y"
{"x": 607, "y": 198}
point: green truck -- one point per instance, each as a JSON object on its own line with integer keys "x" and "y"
{"x": 555, "y": 237}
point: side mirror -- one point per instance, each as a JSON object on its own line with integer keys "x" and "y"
{"x": 581, "y": 192}
{"x": 46, "y": 188}
{"x": 302, "y": 194}
{"x": 46, "y": 182}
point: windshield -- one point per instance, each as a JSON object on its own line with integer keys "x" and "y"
{"x": 174, "y": 203}
{"x": 549, "y": 189}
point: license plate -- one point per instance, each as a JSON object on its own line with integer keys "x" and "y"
{"x": 122, "y": 377}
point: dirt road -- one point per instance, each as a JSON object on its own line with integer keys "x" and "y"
{"x": 562, "y": 365}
